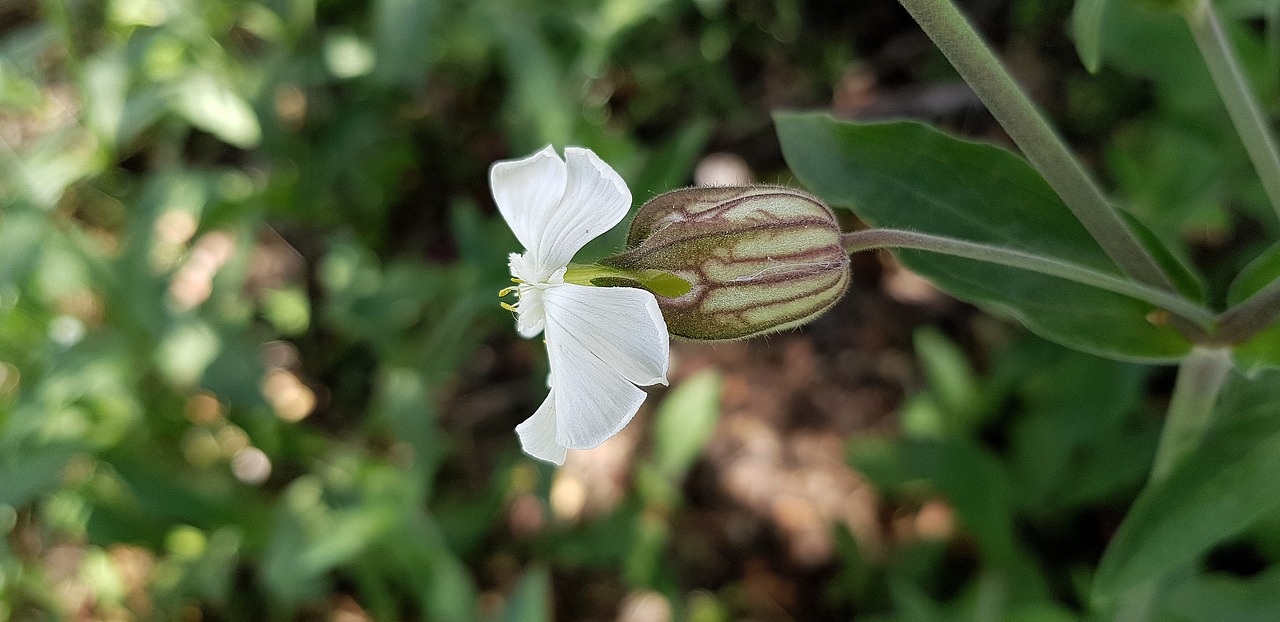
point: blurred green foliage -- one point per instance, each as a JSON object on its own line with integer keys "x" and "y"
{"x": 1180, "y": 166}
{"x": 247, "y": 248}
{"x": 247, "y": 258}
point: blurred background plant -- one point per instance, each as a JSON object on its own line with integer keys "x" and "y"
{"x": 252, "y": 365}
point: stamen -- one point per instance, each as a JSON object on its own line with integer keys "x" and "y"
{"x": 508, "y": 290}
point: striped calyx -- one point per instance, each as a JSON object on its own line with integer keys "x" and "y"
{"x": 758, "y": 259}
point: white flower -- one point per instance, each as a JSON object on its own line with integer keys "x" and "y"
{"x": 601, "y": 341}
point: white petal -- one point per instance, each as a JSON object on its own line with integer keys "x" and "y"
{"x": 599, "y": 342}
{"x": 595, "y": 199}
{"x": 527, "y": 192}
{"x": 619, "y": 326}
{"x": 538, "y": 433}
{"x": 593, "y": 403}
{"x": 530, "y": 321}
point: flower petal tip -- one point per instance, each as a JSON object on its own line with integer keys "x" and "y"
{"x": 558, "y": 461}
{"x": 538, "y": 433}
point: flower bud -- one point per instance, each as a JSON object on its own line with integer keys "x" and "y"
{"x": 758, "y": 259}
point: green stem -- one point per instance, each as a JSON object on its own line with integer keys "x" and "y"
{"x": 1200, "y": 378}
{"x": 1042, "y": 146}
{"x": 1242, "y": 105}
{"x": 1252, "y": 316}
{"x": 893, "y": 238}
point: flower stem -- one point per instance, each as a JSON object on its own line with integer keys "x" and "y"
{"x": 893, "y": 238}
{"x": 1027, "y": 127}
{"x": 1242, "y": 105}
{"x": 1255, "y": 314}
{"x": 1200, "y": 378}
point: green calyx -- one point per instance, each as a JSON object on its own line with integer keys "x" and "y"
{"x": 656, "y": 281}
{"x": 756, "y": 259}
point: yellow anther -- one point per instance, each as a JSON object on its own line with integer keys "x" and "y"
{"x": 507, "y": 290}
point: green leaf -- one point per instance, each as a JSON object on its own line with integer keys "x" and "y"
{"x": 1214, "y": 494}
{"x": 684, "y": 423}
{"x": 1174, "y": 178}
{"x": 540, "y": 111}
{"x": 452, "y": 593}
{"x": 212, "y": 576}
{"x": 1263, "y": 350}
{"x": 952, "y": 382}
{"x": 1086, "y": 27}
{"x": 530, "y": 600}
{"x": 1246, "y": 8}
{"x": 22, "y": 234}
{"x": 909, "y": 176}
{"x": 403, "y": 46}
{"x": 1258, "y": 274}
{"x": 37, "y": 471}
{"x": 913, "y": 604}
{"x": 969, "y": 476}
{"x": 1178, "y": 269}
{"x": 649, "y": 539}
{"x": 46, "y": 168}
{"x": 1227, "y": 599}
{"x": 1075, "y": 442}
{"x": 400, "y": 395}
{"x": 214, "y": 107}
{"x": 1040, "y": 612}
{"x": 1158, "y": 47}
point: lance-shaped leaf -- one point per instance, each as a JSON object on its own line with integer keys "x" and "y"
{"x": 1086, "y": 28}
{"x": 1263, "y": 349}
{"x": 906, "y": 175}
{"x": 1213, "y": 494}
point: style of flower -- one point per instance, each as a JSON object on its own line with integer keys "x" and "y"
{"x": 601, "y": 341}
